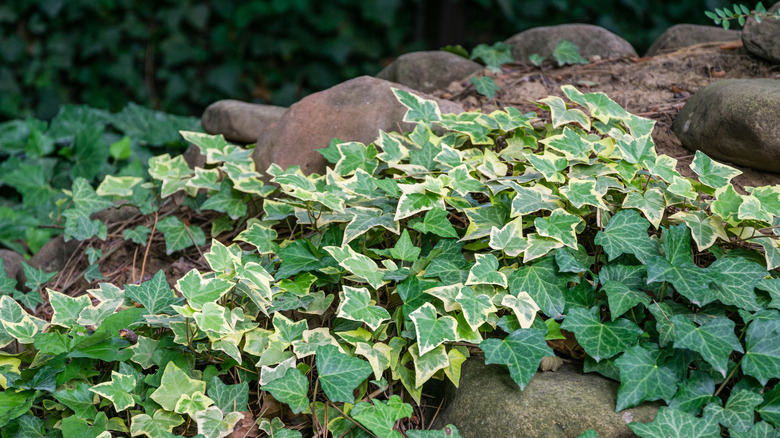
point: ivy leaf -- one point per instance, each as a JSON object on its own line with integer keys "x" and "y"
{"x": 523, "y": 307}
{"x": 365, "y": 219}
{"x": 227, "y": 201}
{"x": 36, "y": 277}
{"x": 509, "y": 239}
{"x": 159, "y": 426}
{"x": 339, "y": 374}
{"x": 762, "y": 351}
{"x": 379, "y": 417}
{"x": 759, "y": 430}
{"x": 651, "y": 204}
{"x": 86, "y": 199}
{"x": 353, "y": 156}
{"x": 485, "y": 271}
{"x": 560, "y": 226}
{"x": 155, "y": 294}
{"x": 419, "y": 110}
{"x": 570, "y": 144}
{"x": 727, "y": 203}
{"x": 543, "y": 283}
{"x": 67, "y": 309}
{"x": 705, "y": 229}
{"x": 199, "y": 291}
{"x": 213, "y": 423}
{"x": 261, "y": 237}
{"x": 712, "y": 173}
{"x": 393, "y": 151}
{"x": 288, "y": 331}
{"x": 739, "y": 411}
{"x": 493, "y": 56}
{"x": 404, "y": 249}
{"x": 621, "y": 298}
{"x": 485, "y": 85}
{"x": 121, "y": 186}
{"x": 436, "y": 222}
{"x": 635, "y": 150}
{"x": 671, "y": 423}
{"x": 561, "y": 115}
{"x": 694, "y": 393}
{"x": 179, "y": 236}
{"x": 714, "y": 340}
{"x": 734, "y": 280}
{"x": 626, "y": 233}
{"x": 566, "y": 52}
{"x": 432, "y": 331}
{"x": 291, "y": 389}
{"x": 549, "y": 165}
{"x": 229, "y": 398}
{"x": 358, "y": 264}
{"x": 599, "y": 104}
{"x": 378, "y": 356}
{"x": 476, "y": 308}
{"x": 682, "y": 187}
{"x": 137, "y": 234}
{"x": 426, "y": 365}
{"x": 448, "y": 431}
{"x": 300, "y": 255}
{"x": 356, "y": 305}
{"x": 173, "y": 385}
{"x": 642, "y": 379}
{"x": 521, "y": 352}
{"x": 532, "y": 199}
{"x": 600, "y": 340}
{"x": 582, "y": 192}
{"x": 119, "y": 390}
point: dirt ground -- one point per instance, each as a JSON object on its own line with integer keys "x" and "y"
{"x": 655, "y": 87}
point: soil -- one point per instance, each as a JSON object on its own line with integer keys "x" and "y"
{"x": 653, "y": 87}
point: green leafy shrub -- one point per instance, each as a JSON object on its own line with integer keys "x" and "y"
{"x": 410, "y": 255}
{"x": 79, "y": 146}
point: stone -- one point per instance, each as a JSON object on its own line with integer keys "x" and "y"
{"x": 684, "y": 35}
{"x": 54, "y": 255}
{"x": 592, "y": 41}
{"x": 194, "y": 157}
{"x": 354, "y": 110}
{"x": 428, "y": 71}
{"x": 239, "y": 122}
{"x": 763, "y": 39}
{"x": 734, "y": 120}
{"x": 13, "y": 265}
{"x": 558, "y": 404}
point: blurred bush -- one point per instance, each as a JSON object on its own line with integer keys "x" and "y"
{"x": 178, "y": 56}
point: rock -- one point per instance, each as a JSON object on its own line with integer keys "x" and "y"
{"x": 736, "y": 120}
{"x": 591, "y": 40}
{"x": 113, "y": 215}
{"x": 13, "y": 265}
{"x": 565, "y": 403}
{"x": 352, "y": 111}
{"x": 428, "y": 71}
{"x": 684, "y": 35}
{"x": 54, "y": 255}
{"x": 238, "y": 121}
{"x": 194, "y": 157}
{"x": 761, "y": 39}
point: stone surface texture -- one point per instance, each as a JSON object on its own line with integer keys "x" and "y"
{"x": 763, "y": 39}
{"x": 558, "y": 404}
{"x": 354, "y": 110}
{"x": 13, "y": 265}
{"x": 238, "y": 121}
{"x": 591, "y": 40}
{"x": 54, "y": 255}
{"x": 428, "y": 71}
{"x": 734, "y": 120}
{"x": 684, "y": 35}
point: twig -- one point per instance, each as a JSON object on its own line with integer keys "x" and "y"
{"x": 148, "y": 245}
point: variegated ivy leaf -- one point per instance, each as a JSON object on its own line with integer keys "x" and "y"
{"x": 199, "y": 291}
{"x": 358, "y": 264}
{"x": 212, "y": 423}
{"x": 393, "y": 149}
{"x": 476, "y": 308}
{"x": 173, "y": 385}
{"x": 205, "y": 179}
{"x": 67, "y": 309}
{"x": 532, "y": 199}
{"x": 474, "y": 125}
{"x": 378, "y": 356}
{"x": 768, "y": 195}
{"x": 539, "y": 246}
{"x": 485, "y": 271}
{"x": 312, "y": 340}
{"x": 492, "y": 167}
{"x": 160, "y": 425}
{"x": 751, "y": 208}
{"x": 626, "y": 233}
{"x": 681, "y": 186}
{"x": 561, "y": 115}
{"x": 705, "y": 229}
{"x": 286, "y": 330}
{"x": 651, "y": 204}
{"x": 462, "y": 182}
{"x": 119, "y": 390}
{"x": 356, "y": 304}
{"x": 339, "y": 374}
{"x": 447, "y": 295}
{"x": 482, "y": 220}
{"x": 432, "y": 331}
{"x": 404, "y": 249}
{"x": 416, "y": 199}
{"x": 230, "y": 154}
{"x": 360, "y": 184}
{"x": 549, "y": 165}
{"x": 543, "y": 283}
{"x": 355, "y": 155}
{"x": 449, "y": 158}
{"x": 94, "y": 315}
{"x": 426, "y": 365}
{"x": 521, "y": 352}
{"x": 436, "y": 222}
{"x": 570, "y": 144}
{"x": 523, "y": 307}
{"x": 213, "y": 318}
{"x": 635, "y": 150}
{"x": 205, "y": 141}
{"x": 510, "y": 238}
{"x": 582, "y": 192}
{"x": 179, "y": 236}
{"x": 560, "y": 225}
{"x": 665, "y": 167}
{"x": 191, "y": 405}
{"x": 117, "y": 186}
{"x": 366, "y": 218}
{"x": 261, "y": 237}
{"x": 727, "y": 203}
{"x": 419, "y": 110}
{"x": 712, "y": 173}
{"x": 601, "y": 107}
{"x": 172, "y": 172}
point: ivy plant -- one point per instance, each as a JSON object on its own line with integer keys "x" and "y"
{"x": 349, "y": 291}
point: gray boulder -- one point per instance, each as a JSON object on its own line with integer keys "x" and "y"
{"x": 591, "y": 40}
{"x": 763, "y": 39}
{"x": 428, "y": 71}
{"x": 354, "y": 110}
{"x": 684, "y": 35}
{"x": 238, "y": 121}
{"x": 558, "y": 404}
{"x": 735, "y": 120}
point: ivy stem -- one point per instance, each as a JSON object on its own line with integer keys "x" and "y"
{"x": 663, "y": 292}
{"x": 731, "y": 374}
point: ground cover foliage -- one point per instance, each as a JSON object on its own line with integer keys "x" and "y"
{"x": 475, "y": 234}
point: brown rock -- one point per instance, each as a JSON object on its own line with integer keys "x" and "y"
{"x": 238, "y": 121}
{"x": 428, "y": 71}
{"x": 54, "y": 255}
{"x": 591, "y": 41}
{"x": 13, "y": 265}
{"x": 684, "y": 35}
{"x": 352, "y": 111}
{"x": 763, "y": 39}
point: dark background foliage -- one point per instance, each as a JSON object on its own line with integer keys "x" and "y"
{"x": 178, "y": 56}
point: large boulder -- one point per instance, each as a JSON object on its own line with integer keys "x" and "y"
{"x": 736, "y": 120}
{"x": 352, "y": 111}
{"x": 54, "y": 255}
{"x": 591, "y": 40}
{"x": 684, "y": 35}
{"x": 428, "y": 71}
{"x": 763, "y": 39}
{"x": 561, "y": 404}
{"x": 238, "y": 121}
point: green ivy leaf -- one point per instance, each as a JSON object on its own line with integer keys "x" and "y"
{"x": 621, "y": 298}
{"x": 436, "y": 222}
{"x": 379, "y": 417}
{"x": 432, "y": 331}
{"x": 626, "y": 233}
{"x": 213, "y": 423}
{"x": 642, "y": 379}
{"x": 543, "y": 283}
{"x": 119, "y": 390}
{"x": 734, "y": 280}
{"x": 173, "y": 385}
{"x": 179, "y": 236}
{"x": 485, "y": 271}
{"x": 36, "y": 277}
{"x": 79, "y": 399}
{"x": 600, "y": 340}
{"x": 560, "y": 225}
{"x": 291, "y": 389}
{"x": 762, "y": 351}
{"x": 356, "y": 305}
{"x": 227, "y": 200}
{"x": 671, "y": 423}
{"x": 404, "y": 249}
{"x": 714, "y": 340}
{"x": 419, "y": 110}
{"x": 759, "y": 430}
{"x": 694, "y": 393}
{"x": 521, "y": 352}
{"x": 566, "y": 52}
{"x": 485, "y": 86}
{"x": 199, "y": 291}
{"x": 739, "y": 411}
{"x": 159, "y": 426}
{"x": 155, "y": 295}
{"x": 261, "y": 237}
{"x": 67, "y": 309}
{"x": 712, "y": 173}
{"x": 229, "y": 398}
{"x": 339, "y": 374}
{"x": 448, "y": 431}
{"x": 137, "y": 234}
